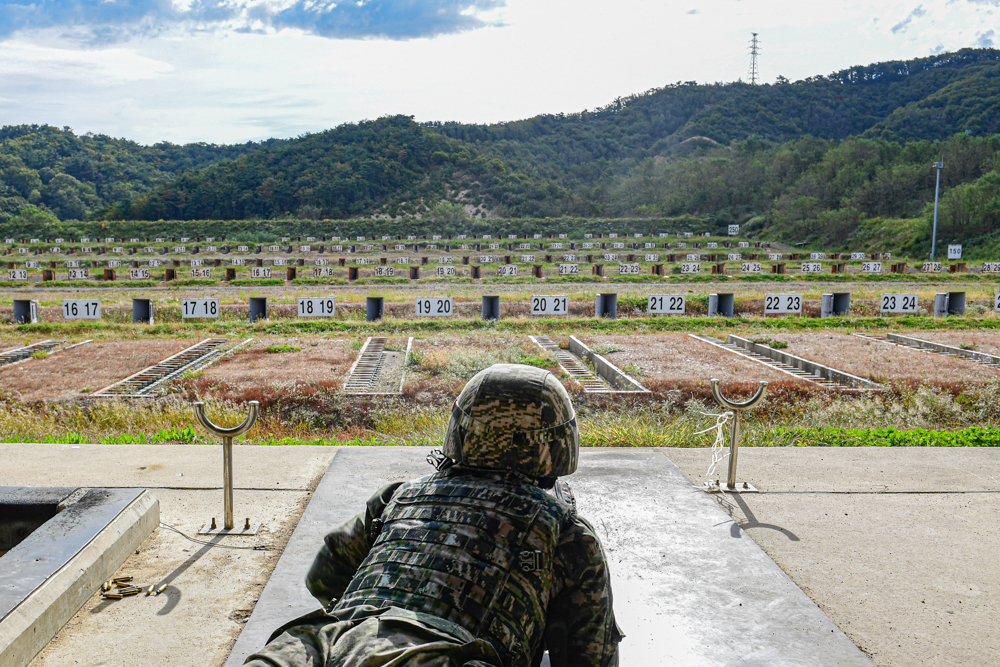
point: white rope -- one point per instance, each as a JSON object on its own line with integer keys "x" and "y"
{"x": 719, "y": 449}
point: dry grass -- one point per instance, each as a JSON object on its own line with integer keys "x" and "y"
{"x": 882, "y": 362}
{"x": 64, "y": 375}
{"x": 680, "y": 358}
{"x": 321, "y": 360}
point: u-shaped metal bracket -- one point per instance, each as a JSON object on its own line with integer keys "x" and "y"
{"x": 199, "y": 412}
{"x": 734, "y": 435}
{"x": 227, "y": 454}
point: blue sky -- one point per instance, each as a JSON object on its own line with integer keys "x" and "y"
{"x": 238, "y": 70}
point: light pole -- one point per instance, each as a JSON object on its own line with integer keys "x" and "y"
{"x": 937, "y": 189}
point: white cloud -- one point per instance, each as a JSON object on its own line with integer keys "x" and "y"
{"x": 549, "y": 56}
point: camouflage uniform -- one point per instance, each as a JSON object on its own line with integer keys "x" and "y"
{"x": 475, "y": 565}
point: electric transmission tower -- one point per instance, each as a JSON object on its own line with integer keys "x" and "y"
{"x": 754, "y": 52}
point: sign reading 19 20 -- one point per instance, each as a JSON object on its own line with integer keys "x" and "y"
{"x": 435, "y": 306}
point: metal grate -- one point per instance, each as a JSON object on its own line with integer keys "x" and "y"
{"x": 144, "y": 383}
{"x": 920, "y": 345}
{"x": 591, "y": 382}
{"x": 768, "y": 361}
{"x": 365, "y": 375}
{"x": 20, "y": 354}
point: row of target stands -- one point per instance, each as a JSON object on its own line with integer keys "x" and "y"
{"x": 837, "y": 304}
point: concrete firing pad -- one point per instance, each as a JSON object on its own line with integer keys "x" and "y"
{"x": 690, "y": 587}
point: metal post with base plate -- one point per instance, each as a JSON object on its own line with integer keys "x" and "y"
{"x": 228, "y": 434}
{"x": 731, "y": 485}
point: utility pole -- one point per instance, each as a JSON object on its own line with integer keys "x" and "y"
{"x": 937, "y": 189}
{"x": 754, "y": 52}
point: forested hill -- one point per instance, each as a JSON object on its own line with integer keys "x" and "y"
{"x": 72, "y": 176}
{"x": 800, "y": 160}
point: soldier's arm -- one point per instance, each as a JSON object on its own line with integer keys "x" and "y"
{"x": 582, "y": 602}
{"x": 345, "y": 547}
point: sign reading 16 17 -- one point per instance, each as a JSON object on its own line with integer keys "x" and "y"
{"x": 200, "y": 308}
{"x": 549, "y": 305}
{"x": 81, "y": 309}
{"x": 435, "y": 306}
{"x": 782, "y": 303}
{"x": 317, "y": 307}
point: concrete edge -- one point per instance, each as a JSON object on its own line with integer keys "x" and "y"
{"x": 29, "y": 627}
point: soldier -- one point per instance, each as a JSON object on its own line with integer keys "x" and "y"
{"x": 484, "y": 563}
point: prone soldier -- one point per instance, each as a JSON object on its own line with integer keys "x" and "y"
{"x": 484, "y": 563}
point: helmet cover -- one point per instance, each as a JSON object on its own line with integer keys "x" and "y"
{"x": 514, "y": 417}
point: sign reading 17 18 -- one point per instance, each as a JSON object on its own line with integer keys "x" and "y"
{"x": 191, "y": 308}
{"x": 549, "y": 305}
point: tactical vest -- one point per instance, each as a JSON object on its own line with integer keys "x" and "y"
{"x": 475, "y": 550}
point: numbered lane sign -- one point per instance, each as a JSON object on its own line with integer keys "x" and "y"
{"x": 200, "y": 308}
{"x": 857, "y": 255}
{"x": 666, "y": 304}
{"x": 569, "y": 269}
{"x": 201, "y": 273}
{"x": 317, "y": 306}
{"x": 323, "y": 272}
{"x": 279, "y": 261}
{"x": 237, "y": 261}
{"x": 527, "y": 259}
{"x": 741, "y": 244}
{"x": 899, "y": 303}
{"x": 693, "y": 258}
{"x": 871, "y": 267}
{"x": 996, "y": 302}
{"x": 138, "y": 274}
{"x": 77, "y": 274}
{"x": 610, "y": 257}
{"x": 628, "y": 269}
{"x": 81, "y": 309}
{"x": 774, "y": 257}
{"x": 445, "y": 271}
{"x": 750, "y": 267}
{"x": 954, "y": 252}
{"x": 31, "y": 264}
{"x": 693, "y": 267}
{"x": 932, "y": 267}
{"x": 17, "y": 274}
{"x": 782, "y": 304}
{"x": 817, "y": 255}
{"x": 549, "y": 305}
{"x": 445, "y": 260}
{"x": 383, "y": 271}
{"x": 991, "y": 267}
{"x": 712, "y": 245}
{"x": 507, "y": 271}
{"x": 812, "y": 267}
{"x": 114, "y": 264}
{"x": 734, "y": 230}
{"x": 435, "y": 306}
{"x": 260, "y": 272}
{"x": 734, "y": 257}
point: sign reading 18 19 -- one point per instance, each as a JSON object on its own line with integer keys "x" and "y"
{"x": 435, "y": 306}
{"x": 200, "y": 308}
{"x": 81, "y": 309}
{"x": 317, "y": 307}
{"x": 549, "y": 305}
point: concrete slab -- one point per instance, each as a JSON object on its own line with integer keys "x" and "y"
{"x": 890, "y": 542}
{"x": 162, "y": 466}
{"x": 690, "y": 588}
{"x": 855, "y": 469}
{"x": 211, "y": 590}
{"x": 46, "y": 578}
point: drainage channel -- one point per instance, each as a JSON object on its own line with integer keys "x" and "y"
{"x": 144, "y": 383}
{"x": 579, "y": 371}
{"x": 365, "y": 378}
{"x": 797, "y": 367}
{"x": 920, "y": 345}
{"x": 27, "y": 352}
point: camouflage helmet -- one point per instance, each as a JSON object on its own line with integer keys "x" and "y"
{"x": 514, "y": 417}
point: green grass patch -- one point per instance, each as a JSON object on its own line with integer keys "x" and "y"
{"x": 887, "y": 437}
{"x": 278, "y": 349}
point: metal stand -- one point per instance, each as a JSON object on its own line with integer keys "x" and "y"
{"x": 228, "y": 434}
{"x": 731, "y": 485}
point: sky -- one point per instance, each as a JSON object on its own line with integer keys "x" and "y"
{"x": 229, "y": 71}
